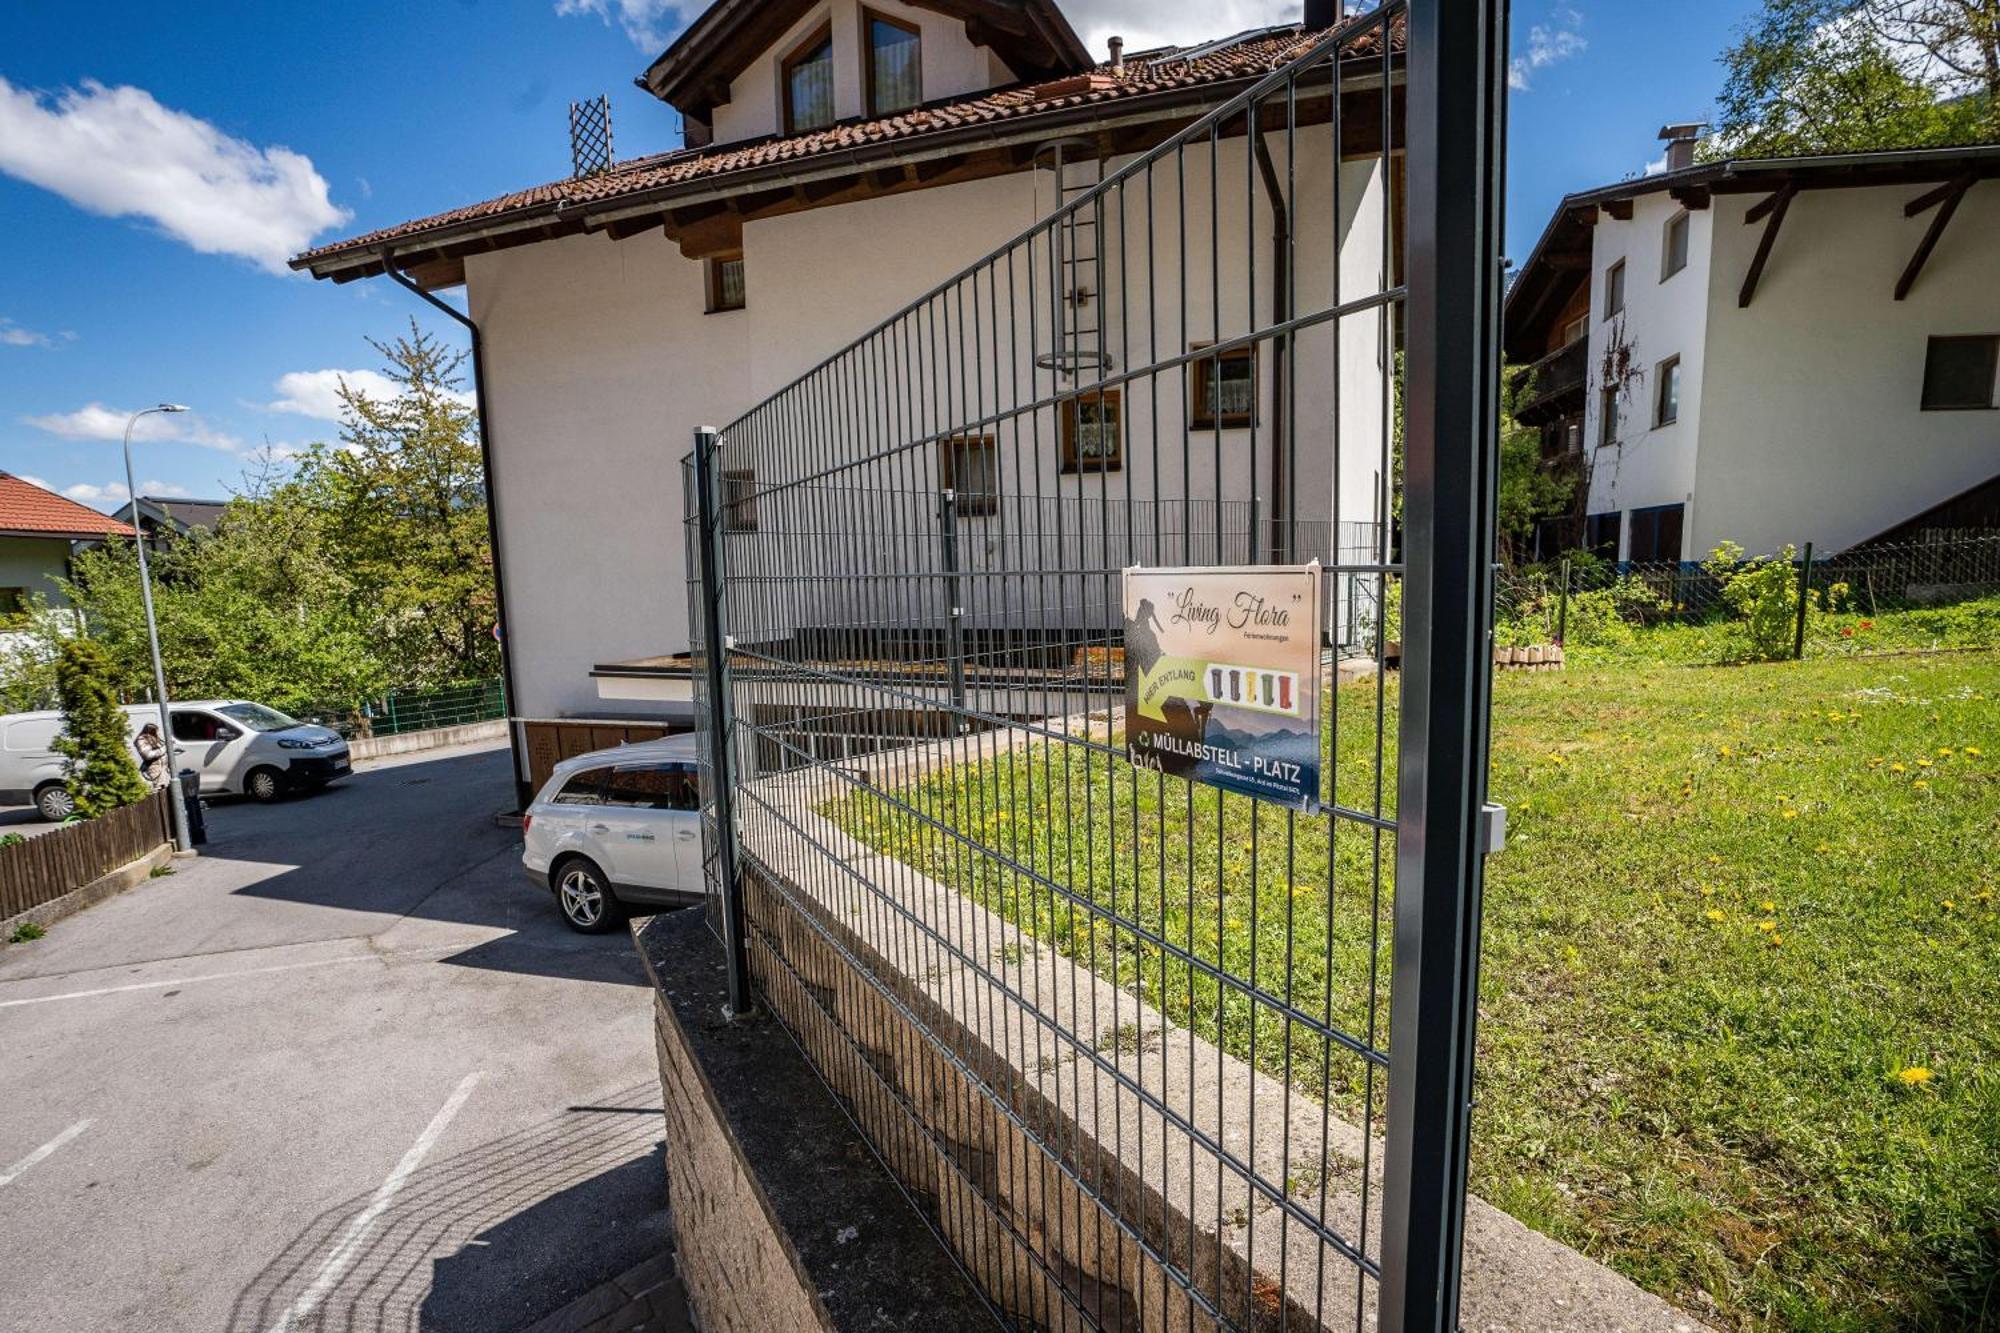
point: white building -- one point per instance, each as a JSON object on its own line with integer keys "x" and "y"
{"x": 1770, "y": 351}
{"x": 842, "y": 161}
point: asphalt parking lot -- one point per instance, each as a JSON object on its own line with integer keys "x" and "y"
{"x": 346, "y": 1070}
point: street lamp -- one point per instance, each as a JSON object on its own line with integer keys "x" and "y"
{"x": 175, "y": 802}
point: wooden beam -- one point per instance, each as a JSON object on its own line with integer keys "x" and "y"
{"x": 1949, "y": 200}
{"x": 1930, "y": 199}
{"x": 1761, "y": 209}
{"x": 1620, "y": 209}
{"x": 1691, "y": 197}
{"x": 626, "y": 228}
{"x": 1775, "y": 206}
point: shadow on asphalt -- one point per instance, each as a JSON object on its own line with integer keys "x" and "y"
{"x": 489, "y": 1240}
{"x": 417, "y": 840}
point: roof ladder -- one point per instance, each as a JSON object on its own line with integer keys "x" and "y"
{"x": 1077, "y": 166}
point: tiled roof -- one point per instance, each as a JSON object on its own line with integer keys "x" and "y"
{"x": 25, "y": 507}
{"x": 1163, "y": 71}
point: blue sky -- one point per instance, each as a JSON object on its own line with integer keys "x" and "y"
{"x": 157, "y": 162}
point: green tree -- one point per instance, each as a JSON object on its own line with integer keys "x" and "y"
{"x": 96, "y": 739}
{"x": 1531, "y": 487}
{"x": 405, "y": 493}
{"x": 1829, "y": 76}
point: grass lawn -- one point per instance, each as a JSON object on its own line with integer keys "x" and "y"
{"x": 1740, "y": 1012}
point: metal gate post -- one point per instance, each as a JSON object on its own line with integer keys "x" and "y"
{"x": 1805, "y": 594}
{"x": 1456, "y": 140}
{"x": 954, "y": 596}
{"x": 721, "y": 717}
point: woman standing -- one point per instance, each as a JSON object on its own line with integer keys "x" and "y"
{"x": 152, "y": 755}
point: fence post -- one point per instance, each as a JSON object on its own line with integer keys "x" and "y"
{"x": 1805, "y": 591}
{"x": 1562, "y": 607}
{"x": 954, "y": 597}
{"x": 721, "y": 718}
{"x": 1456, "y": 144}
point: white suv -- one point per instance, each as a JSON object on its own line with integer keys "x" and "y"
{"x": 618, "y": 828}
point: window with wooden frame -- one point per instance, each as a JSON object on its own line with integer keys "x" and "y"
{"x": 807, "y": 78}
{"x": 725, "y": 282}
{"x": 1667, "y": 392}
{"x": 1959, "y": 373}
{"x": 1674, "y": 245}
{"x": 1093, "y": 432}
{"x": 1607, "y": 416}
{"x": 739, "y": 500}
{"x": 892, "y": 53}
{"x": 1614, "y": 290}
{"x": 969, "y": 467}
{"x": 1601, "y": 533}
{"x": 1222, "y": 392}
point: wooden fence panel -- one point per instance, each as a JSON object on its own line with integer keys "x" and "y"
{"x": 46, "y": 867}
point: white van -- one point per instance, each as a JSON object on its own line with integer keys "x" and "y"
{"x": 238, "y": 748}
{"x": 618, "y": 828}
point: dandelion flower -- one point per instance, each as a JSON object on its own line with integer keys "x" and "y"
{"x": 1944, "y": 752}
{"x": 1923, "y": 763}
{"x": 1768, "y": 906}
{"x": 1708, "y": 890}
{"x": 1714, "y": 860}
{"x": 1947, "y": 903}
{"x": 1921, "y": 785}
{"x": 1822, "y": 849}
{"x": 1767, "y": 925}
{"x": 1972, "y": 750}
{"x": 1914, "y": 1076}
{"x": 1790, "y": 813}
{"x": 1898, "y": 768}
{"x": 1713, "y": 914}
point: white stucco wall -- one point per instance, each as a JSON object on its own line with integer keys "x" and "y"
{"x": 34, "y": 564}
{"x": 1811, "y": 428}
{"x": 1648, "y": 465}
{"x": 951, "y": 65}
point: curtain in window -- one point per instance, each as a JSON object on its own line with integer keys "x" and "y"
{"x": 898, "y": 77}
{"x": 811, "y": 88}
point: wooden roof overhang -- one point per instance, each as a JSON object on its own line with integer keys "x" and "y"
{"x": 705, "y": 216}
{"x": 693, "y": 75}
{"x": 1561, "y": 257}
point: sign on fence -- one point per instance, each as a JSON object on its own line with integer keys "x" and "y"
{"x": 1222, "y": 677}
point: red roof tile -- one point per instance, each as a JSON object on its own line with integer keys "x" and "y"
{"x": 1151, "y": 72}
{"x": 27, "y": 508}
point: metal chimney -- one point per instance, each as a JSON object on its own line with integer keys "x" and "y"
{"x": 1680, "y": 140}
{"x": 1117, "y": 45}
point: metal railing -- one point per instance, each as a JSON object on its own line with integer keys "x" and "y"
{"x": 398, "y": 711}
{"x": 1147, "y": 1053}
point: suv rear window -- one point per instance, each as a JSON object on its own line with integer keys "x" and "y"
{"x": 653, "y": 787}
{"x": 584, "y": 788}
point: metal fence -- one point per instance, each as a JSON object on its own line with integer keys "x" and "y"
{"x": 399, "y": 711}
{"x": 1147, "y": 1053}
{"x": 1847, "y": 602}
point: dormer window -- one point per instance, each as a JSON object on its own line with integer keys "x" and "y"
{"x": 895, "y": 66}
{"x": 808, "y": 79}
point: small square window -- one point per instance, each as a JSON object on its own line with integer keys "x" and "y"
{"x": 969, "y": 466}
{"x": 1224, "y": 392}
{"x": 725, "y": 283}
{"x": 739, "y": 500}
{"x": 1607, "y": 416}
{"x": 1093, "y": 432}
{"x": 1674, "y": 248}
{"x": 1656, "y": 534}
{"x": 1600, "y": 534}
{"x": 1959, "y": 373}
{"x": 1667, "y": 393}
{"x": 1614, "y": 290}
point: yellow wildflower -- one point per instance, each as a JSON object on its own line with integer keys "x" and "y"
{"x": 1921, "y": 785}
{"x": 1714, "y": 860}
{"x": 1767, "y": 925}
{"x": 1708, "y": 891}
{"x": 1923, "y": 763}
{"x": 1898, "y": 768}
{"x": 1914, "y": 1076}
{"x": 1972, "y": 750}
{"x": 1791, "y": 814}
{"x": 1724, "y": 752}
{"x": 1713, "y": 914}
{"x": 1948, "y": 904}
{"x": 1944, "y": 752}
{"x": 1768, "y": 906}
{"x": 1822, "y": 849}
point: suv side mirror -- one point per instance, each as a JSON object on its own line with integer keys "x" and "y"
{"x": 226, "y": 733}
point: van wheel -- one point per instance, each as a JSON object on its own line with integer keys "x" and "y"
{"x": 584, "y": 897}
{"x": 262, "y": 785}
{"x": 54, "y": 803}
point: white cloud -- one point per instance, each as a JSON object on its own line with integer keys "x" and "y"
{"x": 1658, "y": 166}
{"x": 166, "y": 490}
{"x": 650, "y": 24}
{"x": 110, "y": 493}
{"x": 119, "y": 153}
{"x": 13, "y": 335}
{"x": 95, "y": 421}
{"x": 1547, "y": 46}
{"x": 316, "y": 393}
{"x": 34, "y": 481}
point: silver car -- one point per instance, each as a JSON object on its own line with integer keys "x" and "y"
{"x": 237, "y": 747}
{"x": 618, "y": 828}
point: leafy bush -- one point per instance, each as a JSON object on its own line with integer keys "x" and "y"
{"x": 1764, "y": 594}
{"x": 96, "y": 739}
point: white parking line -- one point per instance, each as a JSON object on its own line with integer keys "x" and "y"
{"x": 14, "y": 1172}
{"x": 344, "y": 1250}
{"x": 373, "y": 956}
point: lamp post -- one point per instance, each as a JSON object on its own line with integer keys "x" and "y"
{"x": 175, "y": 801}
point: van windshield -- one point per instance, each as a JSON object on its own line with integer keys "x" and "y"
{"x": 258, "y": 718}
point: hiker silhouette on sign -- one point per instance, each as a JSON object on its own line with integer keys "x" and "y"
{"x": 1179, "y": 717}
{"x": 1142, "y": 636}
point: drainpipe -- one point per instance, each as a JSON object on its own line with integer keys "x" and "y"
{"x": 1281, "y": 310}
{"x": 523, "y": 791}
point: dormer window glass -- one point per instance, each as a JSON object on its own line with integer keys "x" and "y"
{"x": 895, "y": 69}
{"x": 808, "y": 79}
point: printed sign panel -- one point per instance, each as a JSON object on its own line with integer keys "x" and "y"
{"x": 1222, "y": 677}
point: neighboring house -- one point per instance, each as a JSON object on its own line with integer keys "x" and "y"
{"x": 843, "y": 159}
{"x": 163, "y": 518}
{"x": 38, "y": 530}
{"x": 1768, "y": 351}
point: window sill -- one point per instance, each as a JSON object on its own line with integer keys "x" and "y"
{"x": 1964, "y": 407}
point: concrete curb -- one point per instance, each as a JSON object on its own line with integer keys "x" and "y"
{"x": 437, "y": 738}
{"x": 129, "y": 875}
